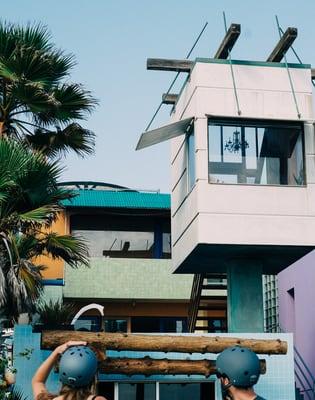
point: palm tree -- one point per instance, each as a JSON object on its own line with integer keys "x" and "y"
{"x": 30, "y": 200}
{"x": 37, "y": 104}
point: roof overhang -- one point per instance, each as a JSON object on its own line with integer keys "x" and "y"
{"x": 164, "y": 133}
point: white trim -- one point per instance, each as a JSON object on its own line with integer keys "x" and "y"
{"x": 87, "y": 308}
{"x": 157, "y": 390}
{"x": 116, "y": 391}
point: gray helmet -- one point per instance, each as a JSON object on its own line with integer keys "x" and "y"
{"x": 240, "y": 365}
{"x": 78, "y": 366}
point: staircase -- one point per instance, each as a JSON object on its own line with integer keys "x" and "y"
{"x": 305, "y": 380}
{"x": 207, "y": 301}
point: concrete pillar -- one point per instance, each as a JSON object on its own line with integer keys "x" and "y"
{"x": 245, "y": 296}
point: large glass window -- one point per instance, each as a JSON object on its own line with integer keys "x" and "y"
{"x": 119, "y": 243}
{"x": 125, "y": 236}
{"x": 244, "y": 152}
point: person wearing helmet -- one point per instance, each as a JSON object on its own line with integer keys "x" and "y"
{"x": 77, "y": 371}
{"x": 238, "y": 369}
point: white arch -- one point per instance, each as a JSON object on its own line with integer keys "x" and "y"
{"x": 87, "y": 308}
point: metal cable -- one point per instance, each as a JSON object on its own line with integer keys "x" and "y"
{"x": 239, "y": 112}
{"x": 174, "y": 80}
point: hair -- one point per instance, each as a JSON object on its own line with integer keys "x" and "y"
{"x": 70, "y": 393}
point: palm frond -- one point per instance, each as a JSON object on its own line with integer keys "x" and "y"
{"x": 74, "y": 102}
{"x": 55, "y": 312}
{"x": 72, "y": 249}
{"x": 53, "y": 143}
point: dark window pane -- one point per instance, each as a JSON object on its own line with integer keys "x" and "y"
{"x": 158, "y": 324}
{"x": 115, "y": 325}
{"x": 106, "y": 389}
{"x": 187, "y": 391}
{"x": 136, "y": 391}
{"x": 166, "y": 245}
{"x": 191, "y": 160}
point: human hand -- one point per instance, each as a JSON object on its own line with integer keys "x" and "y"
{"x": 62, "y": 348}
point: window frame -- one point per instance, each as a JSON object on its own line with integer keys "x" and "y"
{"x": 255, "y": 123}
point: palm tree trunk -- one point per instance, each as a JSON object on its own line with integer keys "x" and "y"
{"x": 2, "y": 129}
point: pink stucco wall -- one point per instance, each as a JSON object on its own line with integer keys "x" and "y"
{"x": 297, "y": 314}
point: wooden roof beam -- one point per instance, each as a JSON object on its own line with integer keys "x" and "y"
{"x": 161, "y": 64}
{"x": 169, "y": 98}
{"x": 228, "y": 42}
{"x": 283, "y": 45}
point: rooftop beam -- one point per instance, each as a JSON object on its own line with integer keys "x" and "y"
{"x": 228, "y": 42}
{"x": 283, "y": 45}
{"x": 169, "y": 98}
{"x": 161, "y": 64}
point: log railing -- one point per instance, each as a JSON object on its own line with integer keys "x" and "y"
{"x": 102, "y": 342}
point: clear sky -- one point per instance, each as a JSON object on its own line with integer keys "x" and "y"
{"x": 112, "y": 40}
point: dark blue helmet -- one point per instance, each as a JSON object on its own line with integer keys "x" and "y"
{"x": 78, "y": 366}
{"x": 240, "y": 365}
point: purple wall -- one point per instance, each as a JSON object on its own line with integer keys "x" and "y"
{"x": 296, "y": 285}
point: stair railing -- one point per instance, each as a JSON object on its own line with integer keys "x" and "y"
{"x": 194, "y": 301}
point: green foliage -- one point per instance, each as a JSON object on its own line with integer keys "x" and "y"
{"x": 55, "y": 313}
{"x": 29, "y": 201}
{"x": 26, "y": 353}
{"x": 37, "y": 103}
{"x": 16, "y": 394}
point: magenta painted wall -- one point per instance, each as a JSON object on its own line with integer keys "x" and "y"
{"x": 297, "y": 314}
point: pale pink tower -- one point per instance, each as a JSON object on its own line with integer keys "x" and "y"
{"x": 243, "y": 170}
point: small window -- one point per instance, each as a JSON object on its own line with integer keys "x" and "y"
{"x": 191, "y": 159}
{"x": 113, "y": 325}
{"x": 256, "y": 153}
{"x": 136, "y": 391}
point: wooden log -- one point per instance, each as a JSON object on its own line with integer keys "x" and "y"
{"x": 283, "y": 45}
{"x": 149, "y": 366}
{"x": 165, "y": 343}
{"x": 169, "y": 98}
{"x": 161, "y": 64}
{"x": 228, "y": 42}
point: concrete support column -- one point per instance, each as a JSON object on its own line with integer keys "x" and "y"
{"x": 245, "y": 296}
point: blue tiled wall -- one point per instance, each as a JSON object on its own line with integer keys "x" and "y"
{"x": 277, "y": 384}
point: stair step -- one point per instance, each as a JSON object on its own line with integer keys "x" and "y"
{"x": 212, "y": 297}
{"x": 214, "y": 287}
{"x": 201, "y": 328}
{"x": 215, "y": 276}
{"x": 203, "y": 318}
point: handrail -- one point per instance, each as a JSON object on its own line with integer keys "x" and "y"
{"x": 305, "y": 389}
{"x": 194, "y": 301}
{"x": 307, "y": 382}
{"x": 304, "y": 364}
{"x": 300, "y": 373}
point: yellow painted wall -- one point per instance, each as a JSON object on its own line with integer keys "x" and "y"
{"x": 55, "y": 268}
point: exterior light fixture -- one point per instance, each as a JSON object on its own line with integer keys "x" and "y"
{"x": 233, "y": 146}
